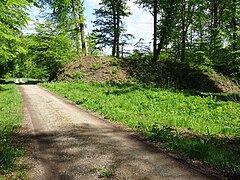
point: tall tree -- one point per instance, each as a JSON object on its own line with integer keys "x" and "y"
{"x": 155, "y": 21}
{"x": 235, "y": 32}
{"x": 164, "y": 21}
{"x": 196, "y": 31}
{"x": 81, "y": 26}
{"x": 153, "y": 7}
{"x": 109, "y": 20}
{"x": 69, "y": 14}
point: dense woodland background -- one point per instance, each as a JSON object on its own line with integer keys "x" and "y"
{"x": 168, "y": 91}
{"x": 199, "y": 33}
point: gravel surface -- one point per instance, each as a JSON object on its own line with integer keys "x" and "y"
{"x": 67, "y": 142}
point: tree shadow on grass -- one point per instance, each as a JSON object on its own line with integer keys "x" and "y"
{"x": 2, "y": 89}
{"x": 2, "y": 81}
{"x": 7, "y": 81}
{"x": 224, "y": 97}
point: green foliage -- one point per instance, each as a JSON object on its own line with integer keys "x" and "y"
{"x": 77, "y": 76}
{"x": 191, "y": 125}
{"x": 95, "y": 66}
{"x": 141, "y": 48}
{"x": 139, "y": 56}
{"x": 10, "y": 122}
{"x": 13, "y": 17}
{"x": 47, "y": 52}
{"x": 92, "y": 45}
{"x": 197, "y": 32}
{"x": 104, "y": 173}
{"x": 68, "y": 15}
{"x": 107, "y": 174}
{"x": 110, "y": 30}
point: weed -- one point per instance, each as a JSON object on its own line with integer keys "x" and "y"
{"x": 95, "y": 66}
{"x": 165, "y": 134}
{"x": 98, "y": 168}
{"x": 106, "y": 173}
{"x": 115, "y": 62}
{"x": 77, "y": 75}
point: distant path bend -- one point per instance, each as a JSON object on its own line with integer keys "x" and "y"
{"x": 69, "y": 143}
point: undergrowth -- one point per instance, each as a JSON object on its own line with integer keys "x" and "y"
{"x": 201, "y": 128}
{"x": 10, "y": 122}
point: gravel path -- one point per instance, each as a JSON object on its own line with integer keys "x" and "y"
{"x": 69, "y": 143}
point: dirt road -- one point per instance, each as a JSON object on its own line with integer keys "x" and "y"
{"x": 69, "y": 143}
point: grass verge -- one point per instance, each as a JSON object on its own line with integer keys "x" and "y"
{"x": 200, "y": 128}
{"x": 10, "y": 122}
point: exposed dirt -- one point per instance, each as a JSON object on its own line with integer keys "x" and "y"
{"x": 180, "y": 76}
{"x": 66, "y": 142}
{"x": 91, "y": 69}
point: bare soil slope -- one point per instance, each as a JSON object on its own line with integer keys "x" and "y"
{"x": 180, "y": 76}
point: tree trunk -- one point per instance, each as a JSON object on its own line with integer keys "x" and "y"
{"x": 76, "y": 28}
{"x": 118, "y": 28}
{"x": 183, "y": 41}
{"x": 215, "y": 23}
{"x": 81, "y": 27}
{"x": 165, "y": 30}
{"x": 155, "y": 12}
{"x": 234, "y": 24}
{"x": 114, "y": 29}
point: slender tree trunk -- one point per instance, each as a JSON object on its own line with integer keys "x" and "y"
{"x": 76, "y": 28}
{"x": 81, "y": 27}
{"x": 234, "y": 23}
{"x": 165, "y": 31}
{"x": 183, "y": 41}
{"x": 155, "y": 12}
{"x": 215, "y": 22}
{"x": 214, "y": 31}
{"x": 118, "y": 28}
{"x": 114, "y": 29}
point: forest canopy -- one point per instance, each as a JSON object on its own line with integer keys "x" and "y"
{"x": 194, "y": 32}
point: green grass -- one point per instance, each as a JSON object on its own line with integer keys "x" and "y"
{"x": 95, "y": 66}
{"x": 10, "y": 122}
{"x": 104, "y": 173}
{"x": 202, "y": 128}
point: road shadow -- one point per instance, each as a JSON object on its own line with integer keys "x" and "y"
{"x": 84, "y": 152}
{"x": 2, "y": 89}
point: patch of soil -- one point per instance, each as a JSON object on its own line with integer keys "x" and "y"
{"x": 224, "y": 84}
{"x": 92, "y": 69}
{"x": 179, "y": 76}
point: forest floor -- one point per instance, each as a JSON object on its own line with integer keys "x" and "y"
{"x": 67, "y": 142}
